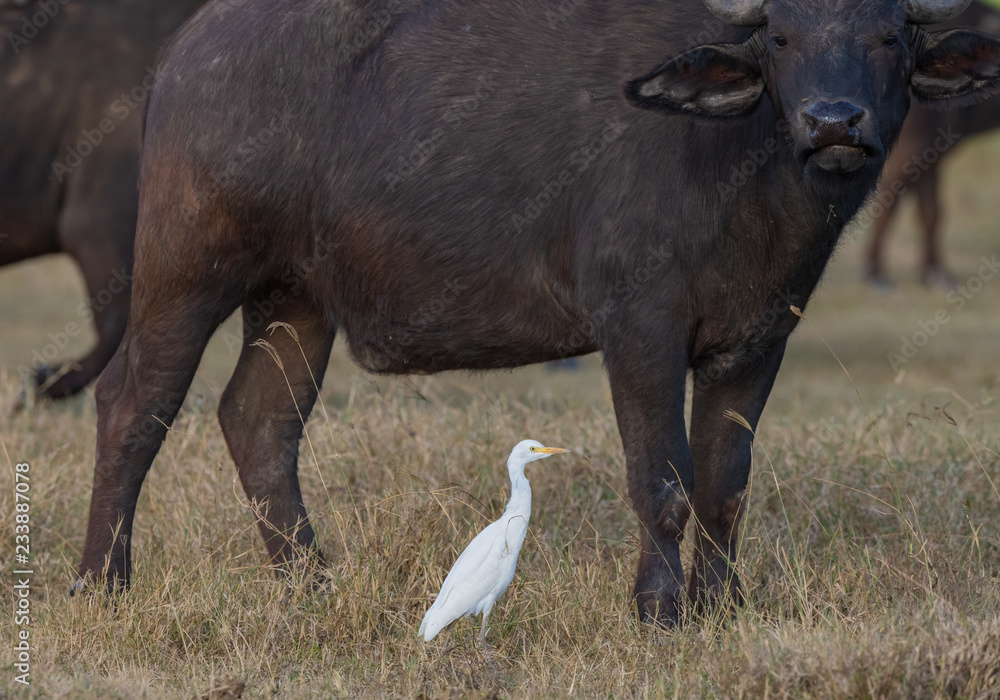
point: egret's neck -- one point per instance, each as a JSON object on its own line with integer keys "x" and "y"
{"x": 520, "y": 494}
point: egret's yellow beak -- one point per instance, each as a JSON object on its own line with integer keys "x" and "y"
{"x": 550, "y": 450}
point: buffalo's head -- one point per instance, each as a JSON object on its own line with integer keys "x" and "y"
{"x": 839, "y": 73}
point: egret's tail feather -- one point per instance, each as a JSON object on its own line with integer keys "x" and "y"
{"x": 428, "y": 627}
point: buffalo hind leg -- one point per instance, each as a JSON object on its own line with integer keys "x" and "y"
{"x": 647, "y": 368}
{"x": 138, "y": 396}
{"x": 721, "y": 448}
{"x": 262, "y": 413}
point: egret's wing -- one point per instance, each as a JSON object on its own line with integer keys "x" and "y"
{"x": 474, "y": 563}
{"x": 515, "y": 531}
{"x": 476, "y": 572}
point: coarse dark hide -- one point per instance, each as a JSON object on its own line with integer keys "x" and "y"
{"x": 483, "y": 184}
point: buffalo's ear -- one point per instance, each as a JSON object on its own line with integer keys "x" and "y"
{"x": 956, "y": 68}
{"x": 713, "y": 81}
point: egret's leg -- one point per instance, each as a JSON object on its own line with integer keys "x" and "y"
{"x": 487, "y": 650}
{"x": 482, "y": 628}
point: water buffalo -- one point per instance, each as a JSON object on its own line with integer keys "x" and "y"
{"x": 928, "y": 136}
{"x": 478, "y": 185}
{"x": 73, "y": 77}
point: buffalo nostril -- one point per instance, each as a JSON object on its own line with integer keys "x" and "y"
{"x": 832, "y": 114}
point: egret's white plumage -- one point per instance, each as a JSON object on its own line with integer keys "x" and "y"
{"x": 486, "y": 567}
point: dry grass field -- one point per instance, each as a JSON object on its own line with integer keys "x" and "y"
{"x": 871, "y": 555}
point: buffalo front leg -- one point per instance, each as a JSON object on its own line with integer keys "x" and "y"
{"x": 721, "y": 447}
{"x": 647, "y": 369}
{"x": 263, "y": 411}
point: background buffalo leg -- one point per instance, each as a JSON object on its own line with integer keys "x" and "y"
{"x": 929, "y": 207}
{"x": 100, "y": 242}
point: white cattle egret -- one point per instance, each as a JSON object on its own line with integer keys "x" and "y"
{"x": 486, "y": 567}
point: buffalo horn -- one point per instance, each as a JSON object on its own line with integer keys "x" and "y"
{"x": 741, "y": 13}
{"x": 933, "y": 11}
{"x": 753, "y": 12}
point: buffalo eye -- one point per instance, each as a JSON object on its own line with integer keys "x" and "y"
{"x": 890, "y": 41}
{"x": 780, "y": 41}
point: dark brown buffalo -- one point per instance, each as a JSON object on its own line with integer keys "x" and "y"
{"x": 73, "y": 79}
{"x": 928, "y": 136}
{"x": 482, "y": 184}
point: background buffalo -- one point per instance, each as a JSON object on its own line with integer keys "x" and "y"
{"x": 74, "y": 77}
{"x": 914, "y": 167}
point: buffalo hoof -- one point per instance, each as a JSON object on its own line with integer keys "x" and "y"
{"x": 85, "y": 586}
{"x": 57, "y": 382}
{"x": 225, "y": 690}
{"x": 90, "y": 581}
{"x": 22, "y": 401}
{"x": 880, "y": 283}
{"x": 40, "y": 384}
{"x": 937, "y": 278}
{"x": 716, "y": 603}
{"x": 308, "y": 567}
{"x": 662, "y": 610}
{"x": 716, "y": 590}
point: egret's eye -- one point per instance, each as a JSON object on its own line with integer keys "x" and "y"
{"x": 890, "y": 41}
{"x": 780, "y": 41}
{"x": 533, "y": 449}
